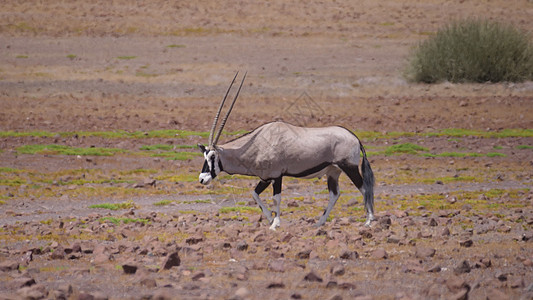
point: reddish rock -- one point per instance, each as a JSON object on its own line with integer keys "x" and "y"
{"x": 379, "y": 253}
{"x": 172, "y": 260}
{"x": 312, "y": 277}
{"x": 337, "y": 269}
{"x": 462, "y": 267}
{"x": 9, "y": 265}
{"x": 424, "y": 252}
{"x": 466, "y": 243}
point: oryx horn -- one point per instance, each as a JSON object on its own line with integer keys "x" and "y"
{"x": 217, "y": 136}
{"x": 210, "y": 140}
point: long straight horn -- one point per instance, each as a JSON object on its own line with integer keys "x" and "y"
{"x": 210, "y": 140}
{"x": 229, "y": 111}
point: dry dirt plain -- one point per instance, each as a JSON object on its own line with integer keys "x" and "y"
{"x": 124, "y": 91}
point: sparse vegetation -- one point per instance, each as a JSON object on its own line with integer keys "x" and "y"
{"x": 115, "y": 206}
{"x": 473, "y": 50}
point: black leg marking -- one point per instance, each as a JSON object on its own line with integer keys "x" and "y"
{"x": 353, "y": 174}
{"x": 261, "y": 186}
{"x": 277, "y": 186}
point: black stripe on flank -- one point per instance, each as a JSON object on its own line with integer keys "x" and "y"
{"x": 310, "y": 171}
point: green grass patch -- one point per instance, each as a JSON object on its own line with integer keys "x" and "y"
{"x": 239, "y": 209}
{"x": 163, "y": 202}
{"x": 524, "y": 147}
{"x": 115, "y": 206}
{"x": 177, "y": 155}
{"x": 72, "y": 56}
{"x": 123, "y": 220}
{"x": 126, "y": 57}
{"x": 22, "y": 56}
{"x": 54, "y": 149}
{"x": 166, "y": 147}
{"x": 405, "y": 148}
{"x": 176, "y": 46}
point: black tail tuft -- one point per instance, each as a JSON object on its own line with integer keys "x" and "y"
{"x": 368, "y": 183}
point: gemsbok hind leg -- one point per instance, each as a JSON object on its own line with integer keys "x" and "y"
{"x": 261, "y": 186}
{"x": 334, "y": 192}
{"x": 353, "y": 173}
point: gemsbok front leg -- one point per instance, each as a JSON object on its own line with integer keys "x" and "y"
{"x": 277, "y": 201}
{"x": 334, "y": 192}
{"x": 261, "y": 186}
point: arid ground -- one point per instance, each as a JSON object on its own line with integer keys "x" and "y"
{"x": 102, "y": 104}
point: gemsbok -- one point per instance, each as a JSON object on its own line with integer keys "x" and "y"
{"x": 278, "y": 149}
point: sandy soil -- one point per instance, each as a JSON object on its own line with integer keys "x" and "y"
{"x": 448, "y": 227}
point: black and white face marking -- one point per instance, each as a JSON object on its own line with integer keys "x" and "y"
{"x": 211, "y": 166}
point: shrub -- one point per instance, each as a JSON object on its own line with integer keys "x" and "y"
{"x": 473, "y": 51}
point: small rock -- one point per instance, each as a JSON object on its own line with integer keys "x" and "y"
{"x": 129, "y": 268}
{"x": 276, "y": 285}
{"x": 242, "y": 246}
{"x": 193, "y": 240}
{"x": 349, "y": 254}
{"x": 435, "y": 269}
{"x": 456, "y": 284}
{"x": 9, "y": 265}
{"x": 172, "y": 260}
{"x": 424, "y": 252}
{"x": 379, "y": 253}
{"x": 466, "y": 243}
{"x": 304, "y": 254}
{"x": 277, "y": 265}
{"x": 433, "y": 222}
{"x": 59, "y": 253}
{"x": 197, "y": 276}
{"x": 337, "y": 270}
{"x": 21, "y": 282}
{"x": 148, "y": 282}
{"x": 444, "y": 231}
{"x": 462, "y": 267}
{"x": 242, "y": 292}
{"x": 495, "y": 294}
{"x": 37, "y": 291}
{"x": 312, "y": 277}
{"x": 393, "y": 239}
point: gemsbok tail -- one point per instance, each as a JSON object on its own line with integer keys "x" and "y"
{"x": 368, "y": 186}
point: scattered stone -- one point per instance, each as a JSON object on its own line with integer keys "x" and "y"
{"x": 435, "y": 269}
{"x": 276, "y": 285}
{"x": 337, "y": 269}
{"x": 21, "y": 282}
{"x": 379, "y": 253}
{"x": 393, "y": 239}
{"x": 193, "y": 240}
{"x": 58, "y": 253}
{"x": 501, "y": 276}
{"x": 445, "y": 231}
{"x": 462, "y": 267}
{"x": 304, "y": 254}
{"x": 9, "y": 265}
{"x": 172, "y": 260}
{"x": 347, "y": 286}
{"x": 312, "y": 277}
{"x": 242, "y": 292}
{"x": 466, "y": 243}
{"x": 277, "y": 265}
{"x": 424, "y": 252}
{"x": 495, "y": 294}
{"x": 148, "y": 282}
{"x": 433, "y": 222}
{"x": 37, "y": 291}
{"x": 456, "y": 284}
{"x": 197, "y": 276}
{"x": 349, "y": 254}
{"x": 129, "y": 268}
{"x": 242, "y": 246}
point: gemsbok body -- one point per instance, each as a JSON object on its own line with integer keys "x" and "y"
{"x": 275, "y": 150}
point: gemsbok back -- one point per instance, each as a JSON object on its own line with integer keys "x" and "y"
{"x": 278, "y": 149}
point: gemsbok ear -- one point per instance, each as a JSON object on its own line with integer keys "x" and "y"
{"x": 202, "y": 148}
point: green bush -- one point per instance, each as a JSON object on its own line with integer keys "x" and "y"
{"x": 473, "y": 51}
